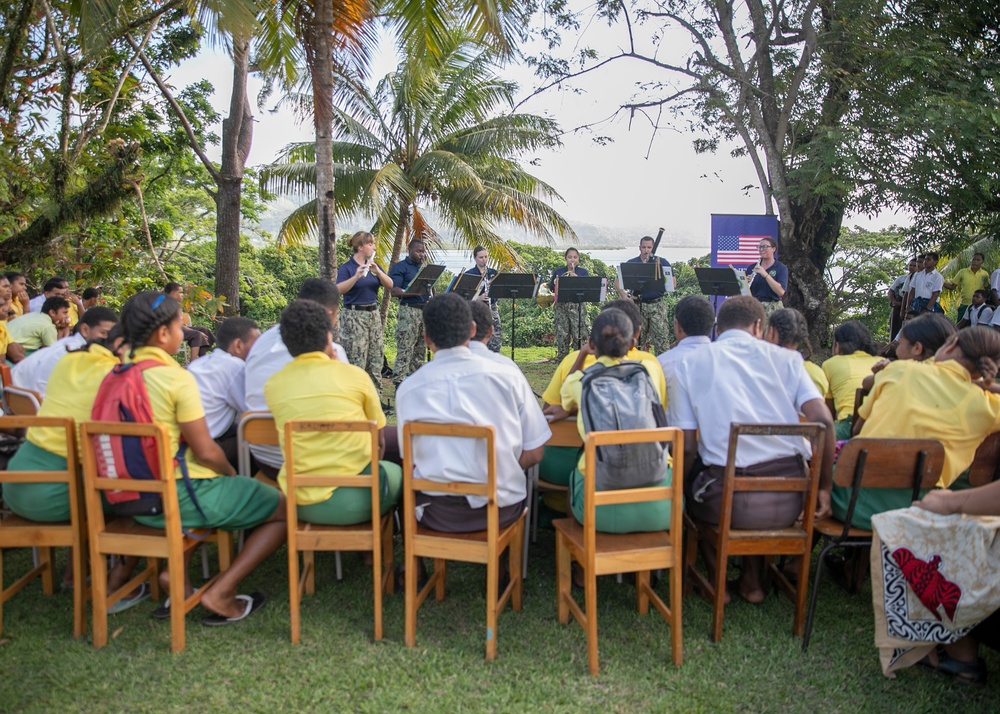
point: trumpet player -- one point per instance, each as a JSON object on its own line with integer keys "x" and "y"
{"x": 571, "y": 324}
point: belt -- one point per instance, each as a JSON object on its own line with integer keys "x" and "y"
{"x": 650, "y": 302}
{"x": 418, "y": 306}
{"x": 363, "y": 308}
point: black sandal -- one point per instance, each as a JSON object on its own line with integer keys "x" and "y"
{"x": 972, "y": 673}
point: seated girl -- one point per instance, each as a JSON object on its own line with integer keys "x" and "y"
{"x": 930, "y": 400}
{"x": 315, "y": 385}
{"x": 918, "y": 340}
{"x": 853, "y": 358}
{"x": 787, "y": 327}
{"x": 218, "y": 498}
{"x": 610, "y": 340}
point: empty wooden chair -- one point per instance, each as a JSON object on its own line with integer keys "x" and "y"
{"x": 872, "y": 463}
{"x": 123, "y": 536}
{"x": 374, "y": 536}
{"x": 484, "y": 547}
{"x": 609, "y": 553}
{"x": 17, "y": 532}
{"x": 794, "y": 541}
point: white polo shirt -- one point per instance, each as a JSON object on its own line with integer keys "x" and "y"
{"x": 268, "y": 355}
{"x": 899, "y": 286}
{"x": 995, "y": 280}
{"x": 221, "y": 382}
{"x": 33, "y": 371}
{"x": 670, "y": 359}
{"x": 35, "y": 303}
{"x": 459, "y": 386}
{"x": 740, "y": 379}
{"x": 925, "y": 284}
{"x": 981, "y": 315}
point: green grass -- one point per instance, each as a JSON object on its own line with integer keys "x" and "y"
{"x": 540, "y": 666}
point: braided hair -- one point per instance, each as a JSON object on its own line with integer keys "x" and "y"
{"x": 981, "y": 347}
{"x": 792, "y": 329}
{"x": 144, "y": 313}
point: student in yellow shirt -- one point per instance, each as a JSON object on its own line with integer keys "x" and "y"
{"x": 19, "y": 288}
{"x": 152, "y": 326}
{"x": 930, "y": 400}
{"x": 315, "y": 385}
{"x": 787, "y": 328}
{"x": 558, "y": 462}
{"x": 918, "y": 340}
{"x": 967, "y": 281}
{"x": 853, "y": 358}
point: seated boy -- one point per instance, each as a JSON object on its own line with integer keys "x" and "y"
{"x": 316, "y": 386}
{"x": 40, "y": 329}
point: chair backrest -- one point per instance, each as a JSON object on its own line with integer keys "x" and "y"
{"x": 565, "y": 432}
{"x": 486, "y": 490}
{"x": 5, "y": 375}
{"x": 986, "y": 464}
{"x": 889, "y": 463}
{"x": 67, "y": 476}
{"x": 22, "y": 402}
{"x": 257, "y": 428}
{"x": 859, "y": 397}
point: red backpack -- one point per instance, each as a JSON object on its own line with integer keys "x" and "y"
{"x": 122, "y": 397}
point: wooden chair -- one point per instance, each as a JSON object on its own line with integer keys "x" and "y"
{"x": 123, "y": 536}
{"x": 564, "y": 433}
{"x": 985, "y": 466}
{"x": 21, "y": 402}
{"x": 609, "y": 553}
{"x": 872, "y": 463}
{"x": 795, "y": 541}
{"x": 483, "y": 547}
{"x": 5, "y": 375}
{"x": 17, "y": 532}
{"x": 374, "y": 536}
{"x": 859, "y": 397}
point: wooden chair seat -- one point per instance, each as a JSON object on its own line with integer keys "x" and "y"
{"x": 830, "y": 527}
{"x": 626, "y": 553}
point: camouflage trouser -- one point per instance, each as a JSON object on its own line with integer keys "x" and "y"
{"x": 572, "y": 330}
{"x": 410, "y": 347}
{"x": 361, "y": 338}
{"x": 770, "y": 307}
{"x": 496, "y": 339}
{"x": 655, "y": 329}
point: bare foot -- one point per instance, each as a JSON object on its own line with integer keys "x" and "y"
{"x": 224, "y": 604}
{"x": 753, "y": 595}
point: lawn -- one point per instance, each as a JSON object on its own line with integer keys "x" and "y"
{"x": 541, "y": 665}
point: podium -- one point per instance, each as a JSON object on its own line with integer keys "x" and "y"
{"x": 511, "y": 286}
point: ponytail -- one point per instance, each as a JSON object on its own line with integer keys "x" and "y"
{"x": 980, "y": 346}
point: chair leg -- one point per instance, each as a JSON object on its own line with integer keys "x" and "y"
{"x": 492, "y": 595}
{"x": 525, "y": 539}
{"x": 294, "y": 595}
{"x": 78, "y": 554}
{"x": 377, "y": 578}
{"x": 411, "y": 600}
{"x": 719, "y": 602}
{"x": 590, "y": 608}
{"x": 224, "y": 549}
{"x": 676, "y": 628}
{"x": 205, "y": 571}
{"x": 440, "y": 566}
{"x": 46, "y": 557}
{"x": 99, "y": 597}
{"x": 801, "y": 593}
{"x": 309, "y": 565}
{"x": 388, "y": 573}
{"x": 178, "y": 602}
{"x": 642, "y": 598}
{"x": 2, "y": 599}
{"x": 338, "y": 566}
{"x": 515, "y": 566}
{"x": 811, "y": 612}
{"x": 564, "y": 578}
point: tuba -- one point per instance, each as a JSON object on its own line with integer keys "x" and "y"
{"x": 545, "y": 297}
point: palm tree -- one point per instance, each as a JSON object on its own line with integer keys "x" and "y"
{"x": 430, "y": 135}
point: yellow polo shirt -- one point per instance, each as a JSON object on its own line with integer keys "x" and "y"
{"x": 72, "y": 387}
{"x": 313, "y": 386}
{"x": 553, "y": 392}
{"x": 818, "y": 377}
{"x": 175, "y": 399}
{"x": 74, "y": 314}
{"x": 4, "y": 340}
{"x": 937, "y": 400}
{"x": 845, "y": 373}
{"x": 967, "y": 282}
{"x": 16, "y": 307}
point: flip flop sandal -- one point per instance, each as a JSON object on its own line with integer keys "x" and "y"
{"x": 973, "y": 673}
{"x": 254, "y": 602}
{"x": 126, "y": 602}
{"x": 162, "y": 612}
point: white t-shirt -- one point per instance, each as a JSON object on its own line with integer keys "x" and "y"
{"x": 995, "y": 280}
{"x": 670, "y": 359}
{"x": 740, "y": 379}
{"x": 925, "y": 284}
{"x": 459, "y": 386}
{"x": 33, "y": 371}
{"x": 223, "y": 390}
{"x": 978, "y": 315}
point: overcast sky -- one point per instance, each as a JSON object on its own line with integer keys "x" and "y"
{"x": 636, "y": 183}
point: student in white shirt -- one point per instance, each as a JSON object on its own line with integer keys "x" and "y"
{"x": 270, "y": 354}
{"x": 925, "y": 287}
{"x": 979, "y": 312}
{"x": 221, "y": 381}
{"x": 694, "y": 319}
{"x": 33, "y": 371}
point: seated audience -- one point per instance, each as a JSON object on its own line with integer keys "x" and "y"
{"x": 739, "y": 378}
{"x": 33, "y": 372}
{"x": 58, "y": 287}
{"x": 853, "y": 359}
{"x": 41, "y": 329}
{"x": 10, "y": 351}
{"x": 930, "y": 400}
{"x": 90, "y": 298}
{"x": 198, "y": 339}
{"x": 221, "y": 381}
{"x": 20, "y": 303}
{"x": 315, "y": 386}
{"x": 270, "y": 354}
{"x": 612, "y": 336}
{"x": 694, "y": 319}
{"x": 919, "y": 339}
{"x": 787, "y": 328}
{"x": 152, "y": 325}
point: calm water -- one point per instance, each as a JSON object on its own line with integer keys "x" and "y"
{"x": 455, "y": 260}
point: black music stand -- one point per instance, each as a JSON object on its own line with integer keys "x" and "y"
{"x": 465, "y": 284}
{"x": 513, "y": 286}
{"x": 581, "y": 290}
{"x": 716, "y": 282}
{"x": 425, "y": 279}
{"x": 637, "y": 278}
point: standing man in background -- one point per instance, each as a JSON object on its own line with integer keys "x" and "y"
{"x": 481, "y": 256}
{"x": 655, "y": 328}
{"x": 967, "y": 281}
{"x": 569, "y": 318}
{"x": 896, "y": 294}
{"x": 410, "y": 347}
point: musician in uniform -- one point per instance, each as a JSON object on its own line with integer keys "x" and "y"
{"x": 769, "y": 277}
{"x": 480, "y": 255}
{"x": 571, "y": 324}
{"x": 655, "y": 328}
{"x": 410, "y": 348}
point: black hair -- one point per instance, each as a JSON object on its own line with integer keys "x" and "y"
{"x": 13, "y": 275}
{"x": 114, "y": 333}
{"x": 55, "y": 283}
{"x": 414, "y": 241}
{"x": 305, "y": 327}
{"x": 985, "y": 294}
{"x": 645, "y": 238}
{"x": 980, "y": 255}
{"x": 96, "y": 315}
{"x": 981, "y": 346}
{"x": 740, "y": 312}
{"x": 447, "y": 320}
{"x": 571, "y": 248}
{"x": 932, "y": 254}
{"x": 477, "y": 250}
{"x": 930, "y": 330}
{"x": 630, "y": 310}
{"x": 144, "y": 313}
{"x": 171, "y": 287}
{"x": 54, "y": 303}
{"x": 320, "y": 290}
{"x": 235, "y": 328}
{"x": 90, "y": 294}
{"x": 853, "y": 336}
{"x": 482, "y": 315}
{"x": 611, "y": 334}
{"x": 695, "y": 315}
{"x": 792, "y": 328}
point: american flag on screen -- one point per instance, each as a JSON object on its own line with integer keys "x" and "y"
{"x": 738, "y": 250}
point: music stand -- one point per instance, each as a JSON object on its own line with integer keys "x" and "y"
{"x": 718, "y": 281}
{"x": 465, "y": 284}
{"x": 425, "y": 279}
{"x": 637, "y": 278}
{"x": 581, "y": 290}
{"x": 513, "y": 286}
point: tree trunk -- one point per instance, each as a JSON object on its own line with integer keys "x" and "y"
{"x": 397, "y": 250}
{"x": 322, "y": 79}
{"x": 237, "y": 137}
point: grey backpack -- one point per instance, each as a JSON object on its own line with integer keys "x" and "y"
{"x": 617, "y": 398}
